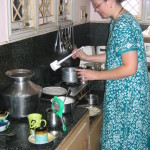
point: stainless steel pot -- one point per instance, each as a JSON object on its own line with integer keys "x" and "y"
{"x": 69, "y": 75}
{"x": 22, "y": 96}
{"x": 68, "y": 104}
{"x": 52, "y": 119}
{"x": 91, "y": 99}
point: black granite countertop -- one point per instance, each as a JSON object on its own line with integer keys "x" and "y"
{"x": 21, "y": 129}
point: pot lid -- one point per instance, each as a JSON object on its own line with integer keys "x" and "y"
{"x": 54, "y": 90}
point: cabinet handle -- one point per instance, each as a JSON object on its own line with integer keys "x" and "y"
{"x": 86, "y": 141}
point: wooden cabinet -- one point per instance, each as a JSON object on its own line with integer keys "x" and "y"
{"x": 78, "y": 138}
{"x": 94, "y": 133}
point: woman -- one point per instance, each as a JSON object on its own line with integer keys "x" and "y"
{"x": 126, "y": 106}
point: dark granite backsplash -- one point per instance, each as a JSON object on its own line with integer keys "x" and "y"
{"x": 38, "y": 52}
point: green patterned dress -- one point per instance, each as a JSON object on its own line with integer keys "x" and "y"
{"x": 126, "y": 107}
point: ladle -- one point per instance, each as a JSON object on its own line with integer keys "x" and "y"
{"x": 56, "y": 64}
{"x": 8, "y": 134}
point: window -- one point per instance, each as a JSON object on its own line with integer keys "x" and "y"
{"x": 134, "y": 7}
{"x": 46, "y": 12}
{"x": 139, "y": 9}
{"x": 65, "y": 10}
{"x": 27, "y": 18}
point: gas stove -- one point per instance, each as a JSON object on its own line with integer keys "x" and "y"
{"x": 78, "y": 91}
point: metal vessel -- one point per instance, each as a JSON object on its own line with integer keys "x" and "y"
{"x": 69, "y": 75}
{"x": 22, "y": 96}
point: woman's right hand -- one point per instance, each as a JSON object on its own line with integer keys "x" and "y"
{"x": 79, "y": 54}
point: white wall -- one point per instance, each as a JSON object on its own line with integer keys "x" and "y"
{"x": 92, "y": 15}
{"x": 77, "y": 10}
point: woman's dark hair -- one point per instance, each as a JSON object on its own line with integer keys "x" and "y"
{"x": 118, "y": 1}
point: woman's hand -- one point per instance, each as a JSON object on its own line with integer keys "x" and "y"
{"x": 79, "y": 54}
{"x": 86, "y": 74}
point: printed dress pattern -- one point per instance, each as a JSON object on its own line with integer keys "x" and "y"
{"x": 126, "y": 107}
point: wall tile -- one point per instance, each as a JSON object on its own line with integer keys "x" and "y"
{"x": 6, "y": 63}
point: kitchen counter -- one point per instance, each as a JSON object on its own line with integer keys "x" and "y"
{"x": 21, "y": 128}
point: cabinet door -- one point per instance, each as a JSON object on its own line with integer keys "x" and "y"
{"x": 94, "y": 135}
{"x": 80, "y": 141}
{"x": 28, "y": 18}
{"x": 78, "y": 137}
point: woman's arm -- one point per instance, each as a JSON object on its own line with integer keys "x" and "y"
{"x": 101, "y": 58}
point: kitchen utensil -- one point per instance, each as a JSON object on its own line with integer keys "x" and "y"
{"x": 69, "y": 75}
{"x": 73, "y": 45}
{"x": 68, "y": 105}
{"x": 67, "y": 94}
{"x": 91, "y": 99}
{"x": 4, "y": 126}
{"x": 3, "y": 116}
{"x": 35, "y": 121}
{"x": 8, "y": 134}
{"x": 22, "y": 96}
{"x": 41, "y": 135}
{"x": 56, "y": 41}
{"x": 54, "y": 90}
{"x": 53, "y": 120}
{"x": 32, "y": 139}
{"x": 57, "y": 107}
{"x": 56, "y": 64}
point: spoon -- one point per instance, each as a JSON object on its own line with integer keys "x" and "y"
{"x": 7, "y": 134}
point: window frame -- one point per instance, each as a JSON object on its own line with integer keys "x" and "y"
{"x": 25, "y": 33}
{"x": 144, "y": 12}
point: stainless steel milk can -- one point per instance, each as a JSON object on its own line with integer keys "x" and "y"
{"x": 22, "y": 96}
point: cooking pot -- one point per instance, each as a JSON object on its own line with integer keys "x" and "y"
{"x": 22, "y": 96}
{"x": 52, "y": 119}
{"x": 91, "y": 99}
{"x": 69, "y": 75}
{"x": 68, "y": 104}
